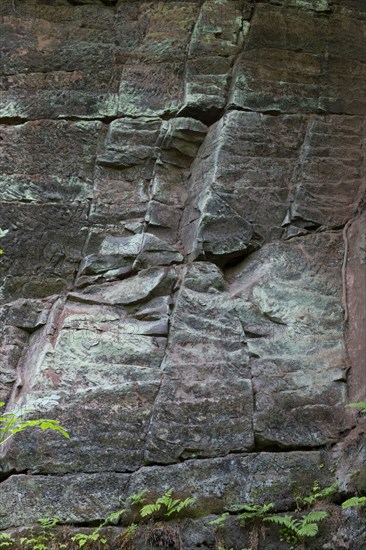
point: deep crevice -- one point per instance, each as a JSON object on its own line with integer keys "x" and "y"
{"x": 227, "y": 261}
{"x": 5, "y": 475}
{"x": 13, "y": 121}
{"x": 207, "y": 115}
{"x": 261, "y": 445}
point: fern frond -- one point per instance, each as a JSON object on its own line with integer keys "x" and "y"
{"x": 267, "y": 507}
{"x": 245, "y": 507}
{"x": 137, "y": 498}
{"x": 114, "y": 516}
{"x": 354, "y": 501}
{"x": 314, "y": 516}
{"x": 185, "y": 503}
{"x": 285, "y": 521}
{"x": 167, "y": 497}
{"x": 318, "y": 494}
{"x": 308, "y": 530}
{"x": 149, "y": 509}
{"x": 359, "y": 405}
{"x": 220, "y": 520}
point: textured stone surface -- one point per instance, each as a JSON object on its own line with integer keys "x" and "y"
{"x": 216, "y": 483}
{"x": 296, "y": 349}
{"x": 204, "y": 408}
{"x": 183, "y": 284}
{"x": 101, "y": 365}
{"x": 293, "y": 61}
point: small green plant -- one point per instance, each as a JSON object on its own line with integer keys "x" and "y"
{"x": 6, "y": 540}
{"x": 126, "y": 537}
{"x": 248, "y": 513}
{"x": 253, "y": 515}
{"x": 11, "y": 423}
{"x": 354, "y": 501}
{"x": 44, "y": 540}
{"x": 35, "y": 542}
{"x": 3, "y": 232}
{"x": 220, "y": 520}
{"x": 316, "y": 495}
{"x": 171, "y": 506}
{"x": 82, "y": 538}
{"x": 137, "y": 498}
{"x": 359, "y": 405}
{"x": 296, "y": 530}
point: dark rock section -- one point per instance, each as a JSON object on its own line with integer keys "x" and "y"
{"x": 216, "y": 483}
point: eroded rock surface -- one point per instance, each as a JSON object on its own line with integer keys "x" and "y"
{"x": 183, "y": 284}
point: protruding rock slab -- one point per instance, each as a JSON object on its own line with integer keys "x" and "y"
{"x": 205, "y": 403}
{"x": 257, "y": 174}
{"x": 99, "y": 369}
{"x": 217, "y": 484}
{"x": 293, "y": 61}
{"x": 295, "y": 339}
{"x": 240, "y": 183}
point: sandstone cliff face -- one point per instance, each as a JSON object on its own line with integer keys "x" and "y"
{"x": 184, "y": 279}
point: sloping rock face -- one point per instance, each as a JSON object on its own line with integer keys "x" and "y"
{"x": 184, "y": 278}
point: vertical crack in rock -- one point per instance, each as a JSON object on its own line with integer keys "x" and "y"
{"x": 205, "y": 371}
{"x": 293, "y": 219}
{"x": 344, "y": 270}
{"x": 186, "y": 59}
{"x": 213, "y": 46}
{"x": 172, "y": 304}
{"x": 178, "y": 143}
{"x": 247, "y": 13}
{"x": 353, "y": 278}
{"x": 84, "y": 248}
{"x": 349, "y": 453}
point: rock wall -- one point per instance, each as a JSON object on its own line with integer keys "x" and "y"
{"x": 184, "y": 282}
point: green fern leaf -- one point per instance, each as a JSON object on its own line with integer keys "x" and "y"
{"x": 185, "y": 503}
{"x": 220, "y": 520}
{"x": 354, "y": 501}
{"x": 137, "y": 498}
{"x": 359, "y": 405}
{"x": 149, "y": 509}
{"x": 314, "y": 517}
{"x": 244, "y": 508}
{"x": 285, "y": 521}
{"x": 114, "y": 516}
{"x": 308, "y": 530}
